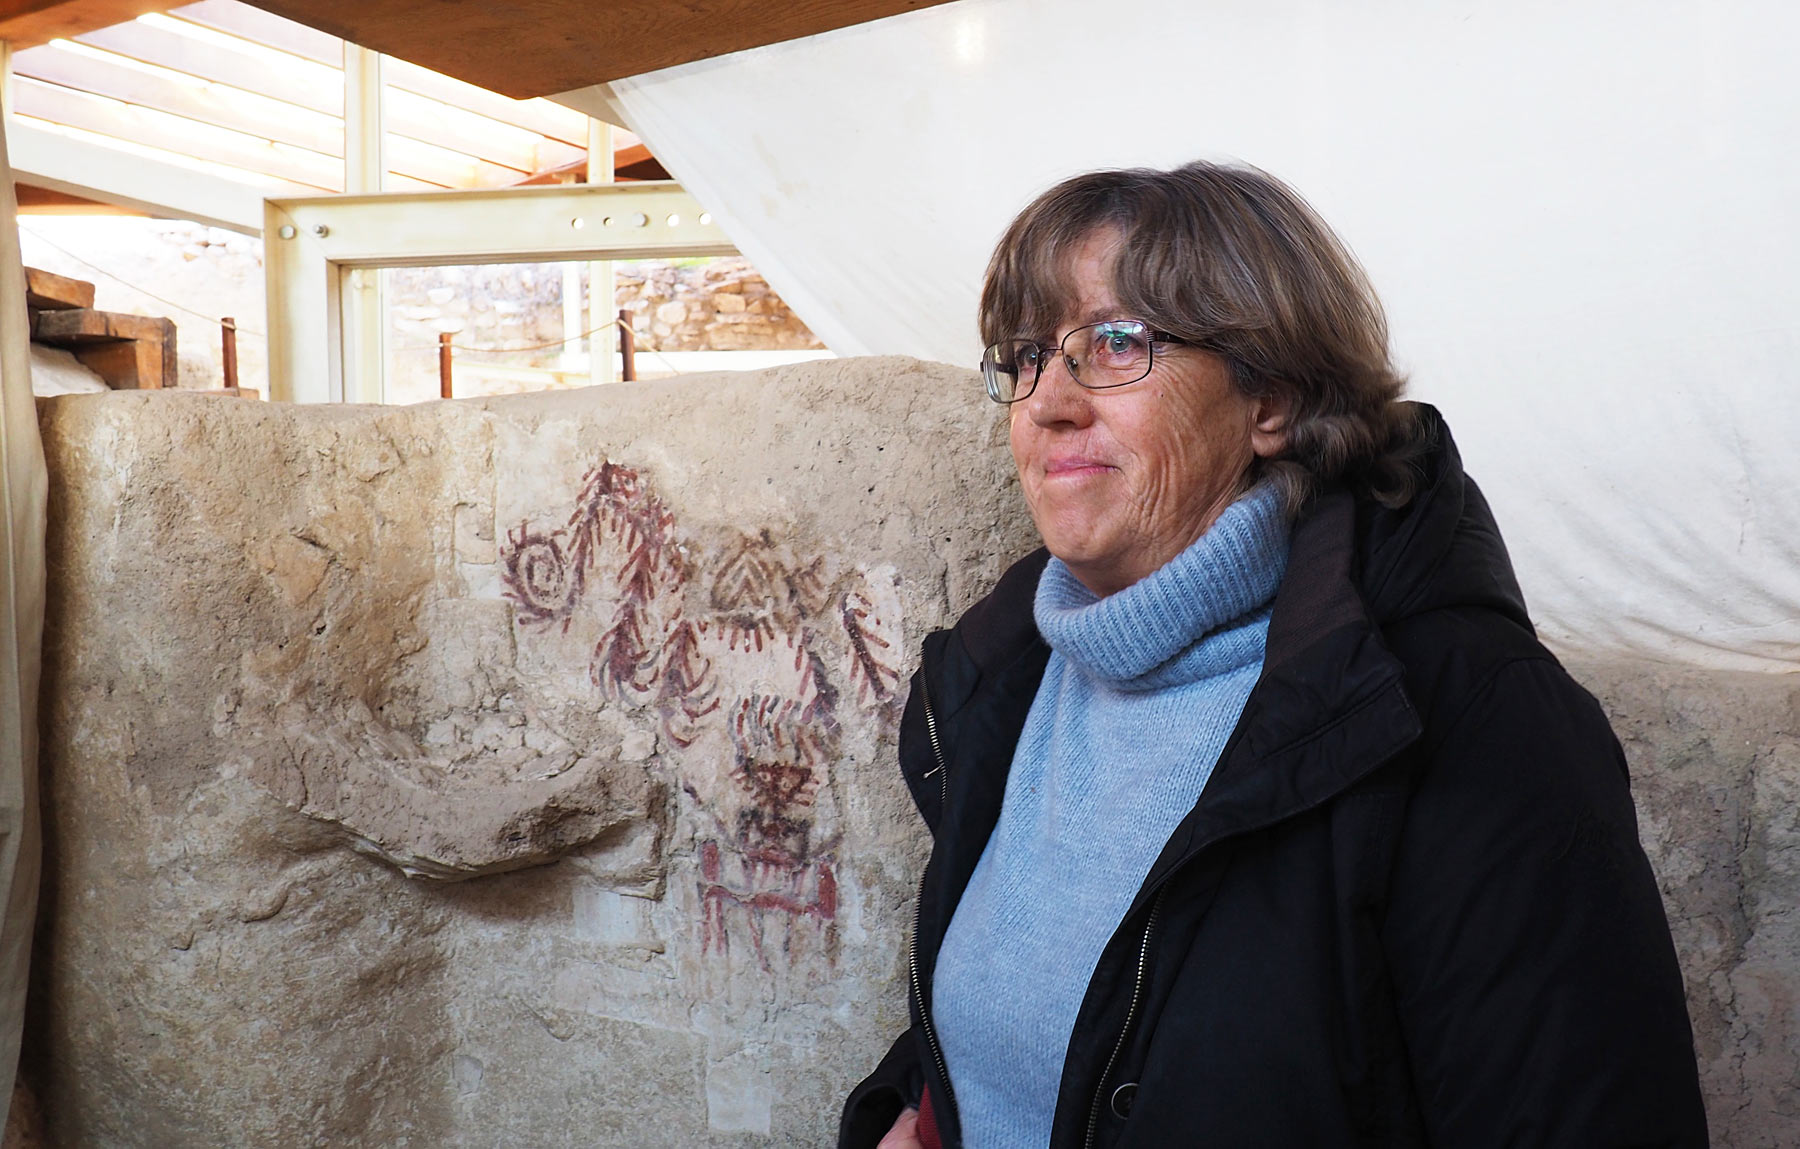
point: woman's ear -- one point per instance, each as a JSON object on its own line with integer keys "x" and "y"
{"x": 1269, "y": 415}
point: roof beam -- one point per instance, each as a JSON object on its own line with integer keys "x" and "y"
{"x": 256, "y": 98}
{"x": 158, "y": 129}
{"x": 537, "y": 47}
{"x": 93, "y": 171}
{"x": 27, "y": 22}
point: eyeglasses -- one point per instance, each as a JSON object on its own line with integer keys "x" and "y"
{"x": 1098, "y": 356}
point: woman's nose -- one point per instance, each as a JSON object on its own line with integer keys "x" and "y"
{"x": 1057, "y": 398}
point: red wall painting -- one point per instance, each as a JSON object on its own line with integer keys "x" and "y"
{"x": 743, "y": 644}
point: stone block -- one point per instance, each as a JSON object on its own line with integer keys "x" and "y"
{"x": 510, "y": 771}
{"x": 1715, "y": 764}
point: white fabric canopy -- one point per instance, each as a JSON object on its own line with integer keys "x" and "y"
{"x": 22, "y": 487}
{"x": 1580, "y": 215}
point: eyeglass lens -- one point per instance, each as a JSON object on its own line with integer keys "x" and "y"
{"x": 1100, "y": 355}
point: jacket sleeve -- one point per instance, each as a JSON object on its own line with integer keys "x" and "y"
{"x": 1534, "y": 973}
{"x": 877, "y": 1103}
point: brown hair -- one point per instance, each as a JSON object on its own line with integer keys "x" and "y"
{"x": 1232, "y": 260}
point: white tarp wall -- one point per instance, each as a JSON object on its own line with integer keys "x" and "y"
{"x": 22, "y": 487}
{"x": 1580, "y": 213}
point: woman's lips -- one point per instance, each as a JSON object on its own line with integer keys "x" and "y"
{"x": 1074, "y": 466}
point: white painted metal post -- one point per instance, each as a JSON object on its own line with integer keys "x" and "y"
{"x": 602, "y": 368}
{"x": 365, "y": 167}
{"x": 6, "y": 82}
{"x": 313, "y": 241}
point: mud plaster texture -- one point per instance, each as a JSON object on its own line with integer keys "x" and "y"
{"x": 519, "y": 771}
{"x": 501, "y": 772}
{"x": 1715, "y": 764}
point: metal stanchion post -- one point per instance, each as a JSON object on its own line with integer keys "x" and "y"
{"x": 627, "y": 349}
{"x": 228, "y": 345}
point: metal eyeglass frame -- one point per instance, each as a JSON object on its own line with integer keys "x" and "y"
{"x": 990, "y": 371}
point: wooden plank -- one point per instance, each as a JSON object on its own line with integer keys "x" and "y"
{"x": 25, "y": 23}
{"x": 445, "y": 168}
{"x": 301, "y": 39}
{"x": 142, "y": 179}
{"x": 156, "y": 129}
{"x": 537, "y": 47}
{"x": 446, "y": 126}
{"x": 540, "y": 116}
{"x": 132, "y": 364}
{"x": 73, "y": 328}
{"x": 47, "y": 291}
{"x": 167, "y": 91}
{"x": 131, "y": 352}
{"x": 438, "y": 167}
{"x": 638, "y": 164}
{"x": 304, "y": 84}
{"x": 245, "y": 22}
{"x": 48, "y": 201}
{"x": 445, "y": 118}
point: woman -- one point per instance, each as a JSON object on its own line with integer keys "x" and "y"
{"x": 1261, "y": 817}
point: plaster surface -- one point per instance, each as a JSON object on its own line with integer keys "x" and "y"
{"x": 514, "y": 771}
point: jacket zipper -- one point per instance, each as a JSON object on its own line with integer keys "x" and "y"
{"x": 912, "y": 955}
{"x": 1137, "y": 997}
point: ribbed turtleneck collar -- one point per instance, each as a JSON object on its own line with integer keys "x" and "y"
{"x": 1177, "y": 621}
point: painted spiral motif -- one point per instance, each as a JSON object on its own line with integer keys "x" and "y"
{"x": 539, "y": 578}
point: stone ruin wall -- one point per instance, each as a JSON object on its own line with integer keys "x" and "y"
{"x": 520, "y": 771}
{"x": 199, "y": 273}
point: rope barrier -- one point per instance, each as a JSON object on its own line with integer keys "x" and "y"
{"x": 119, "y": 279}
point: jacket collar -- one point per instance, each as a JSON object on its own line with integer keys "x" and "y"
{"x": 1328, "y": 709}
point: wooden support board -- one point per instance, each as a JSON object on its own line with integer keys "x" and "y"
{"x": 190, "y": 82}
{"x": 130, "y": 352}
{"x": 537, "y": 47}
{"x": 27, "y": 22}
{"x": 45, "y": 291}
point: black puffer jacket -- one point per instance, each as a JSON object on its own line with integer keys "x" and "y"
{"x": 1410, "y": 907}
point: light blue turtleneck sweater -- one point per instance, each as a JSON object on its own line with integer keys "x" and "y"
{"x": 1142, "y": 690}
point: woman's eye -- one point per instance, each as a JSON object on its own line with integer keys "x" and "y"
{"x": 1119, "y": 345}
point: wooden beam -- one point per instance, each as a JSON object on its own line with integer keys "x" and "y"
{"x": 132, "y": 352}
{"x": 24, "y": 23}
{"x": 34, "y": 200}
{"x": 60, "y": 105}
{"x": 536, "y": 47}
{"x": 167, "y": 91}
{"x": 443, "y": 125}
{"x": 47, "y": 291}
{"x": 262, "y": 149}
{"x": 303, "y": 83}
{"x": 365, "y": 148}
{"x": 302, "y": 104}
{"x": 298, "y": 38}
{"x": 135, "y": 179}
{"x": 540, "y": 116}
{"x": 309, "y": 46}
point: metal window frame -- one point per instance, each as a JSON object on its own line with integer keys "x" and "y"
{"x": 314, "y": 246}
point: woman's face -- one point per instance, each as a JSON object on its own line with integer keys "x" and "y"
{"x": 1121, "y": 481}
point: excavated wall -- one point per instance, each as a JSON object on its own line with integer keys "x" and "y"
{"x": 519, "y": 771}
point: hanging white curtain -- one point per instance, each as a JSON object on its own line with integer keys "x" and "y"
{"x": 1580, "y": 215}
{"x": 22, "y": 486}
